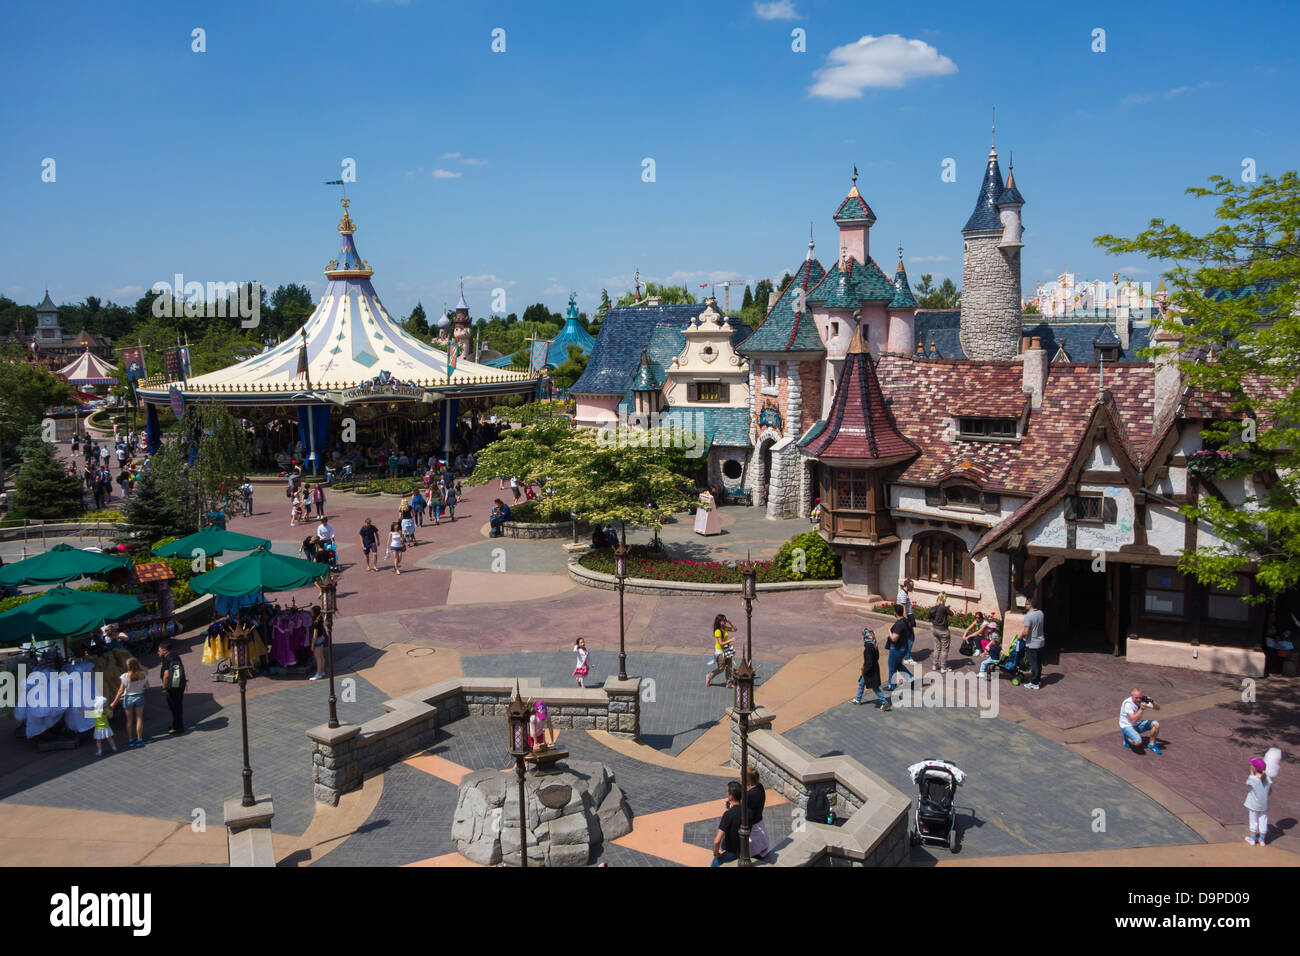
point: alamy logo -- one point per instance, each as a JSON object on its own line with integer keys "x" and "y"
{"x": 678, "y": 429}
{"x": 50, "y": 689}
{"x": 74, "y": 909}
{"x": 951, "y": 689}
{"x": 218, "y": 300}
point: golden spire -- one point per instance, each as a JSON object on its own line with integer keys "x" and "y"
{"x": 347, "y": 227}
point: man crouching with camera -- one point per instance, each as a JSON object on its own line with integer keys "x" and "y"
{"x": 1132, "y": 724}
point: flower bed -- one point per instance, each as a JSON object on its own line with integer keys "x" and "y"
{"x": 655, "y": 566}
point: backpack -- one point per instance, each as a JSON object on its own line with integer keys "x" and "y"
{"x": 967, "y": 646}
{"x": 819, "y": 807}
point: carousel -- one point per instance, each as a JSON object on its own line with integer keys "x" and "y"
{"x": 350, "y": 385}
{"x": 89, "y": 371}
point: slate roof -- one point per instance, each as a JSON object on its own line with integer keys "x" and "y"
{"x": 47, "y": 304}
{"x": 572, "y": 334}
{"x": 943, "y": 327}
{"x": 922, "y": 393}
{"x": 1011, "y": 194}
{"x": 859, "y": 425}
{"x": 849, "y": 288}
{"x": 854, "y": 208}
{"x": 985, "y": 215}
{"x": 649, "y": 376}
{"x": 785, "y": 330}
{"x": 903, "y": 298}
{"x": 836, "y": 291}
{"x": 720, "y": 426}
{"x": 626, "y": 331}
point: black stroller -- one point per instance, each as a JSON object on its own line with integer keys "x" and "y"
{"x": 935, "y": 820}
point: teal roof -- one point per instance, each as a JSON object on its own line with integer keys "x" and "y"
{"x": 836, "y": 290}
{"x": 847, "y": 290}
{"x": 903, "y": 298}
{"x": 854, "y": 209}
{"x": 871, "y": 282}
{"x": 785, "y": 330}
{"x": 649, "y": 376}
{"x": 502, "y": 362}
{"x": 728, "y": 427}
{"x": 572, "y": 334}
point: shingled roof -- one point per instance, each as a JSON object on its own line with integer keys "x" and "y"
{"x": 923, "y": 393}
{"x": 943, "y": 327}
{"x": 784, "y": 329}
{"x": 854, "y": 208}
{"x": 859, "y": 426}
{"x": 985, "y": 215}
{"x": 850, "y": 283}
{"x": 626, "y": 332}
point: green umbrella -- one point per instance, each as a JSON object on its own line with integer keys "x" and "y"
{"x": 61, "y": 563}
{"x": 211, "y": 541}
{"x": 62, "y": 612}
{"x": 262, "y": 570}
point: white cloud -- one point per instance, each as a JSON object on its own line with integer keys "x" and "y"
{"x": 555, "y": 290}
{"x": 928, "y": 258}
{"x": 1134, "y": 99}
{"x": 887, "y": 61}
{"x": 777, "y": 10}
{"x": 134, "y": 291}
{"x": 451, "y": 155}
{"x": 489, "y": 279}
{"x": 470, "y": 161}
{"x": 445, "y": 174}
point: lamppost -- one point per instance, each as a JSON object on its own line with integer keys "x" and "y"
{"x": 329, "y": 600}
{"x": 239, "y": 641}
{"x": 620, "y": 572}
{"x": 749, "y": 580}
{"x": 517, "y": 716}
{"x": 744, "y": 678}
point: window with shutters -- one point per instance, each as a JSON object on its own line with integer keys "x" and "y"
{"x": 941, "y": 558}
{"x": 711, "y": 392}
{"x": 987, "y": 428}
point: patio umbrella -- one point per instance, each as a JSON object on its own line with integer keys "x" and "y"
{"x": 63, "y": 612}
{"x": 61, "y": 563}
{"x": 211, "y": 541}
{"x": 262, "y": 570}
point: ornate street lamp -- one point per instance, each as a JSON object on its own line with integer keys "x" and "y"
{"x": 620, "y": 572}
{"x": 517, "y": 717}
{"x": 239, "y": 661}
{"x": 749, "y": 582}
{"x": 329, "y": 601}
{"x": 744, "y": 678}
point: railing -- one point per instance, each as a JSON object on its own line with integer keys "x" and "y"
{"x": 31, "y": 531}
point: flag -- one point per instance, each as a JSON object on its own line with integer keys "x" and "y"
{"x": 172, "y": 363}
{"x": 537, "y": 361}
{"x": 186, "y": 371}
{"x": 333, "y": 182}
{"x": 133, "y": 359}
{"x": 453, "y": 356}
{"x": 302, "y": 360}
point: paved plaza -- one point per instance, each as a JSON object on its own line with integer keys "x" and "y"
{"x": 1039, "y": 772}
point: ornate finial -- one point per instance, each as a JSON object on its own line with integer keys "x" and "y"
{"x": 855, "y": 174}
{"x": 994, "y": 132}
{"x": 920, "y": 346}
{"x": 900, "y": 255}
{"x": 809, "y": 256}
{"x": 347, "y": 226}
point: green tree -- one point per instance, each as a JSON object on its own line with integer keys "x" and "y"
{"x": 215, "y": 450}
{"x": 157, "y": 509}
{"x": 668, "y": 295}
{"x": 747, "y": 301}
{"x": 28, "y": 391}
{"x": 1031, "y": 308}
{"x": 44, "y": 488}
{"x": 605, "y": 305}
{"x": 417, "y": 324}
{"x": 569, "y": 371}
{"x": 1237, "y": 291}
{"x": 785, "y": 281}
{"x": 925, "y": 288}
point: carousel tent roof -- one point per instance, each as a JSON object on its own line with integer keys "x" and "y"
{"x": 350, "y": 339}
{"x": 89, "y": 369}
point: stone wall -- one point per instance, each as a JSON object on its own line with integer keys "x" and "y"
{"x": 556, "y": 529}
{"x": 876, "y": 814}
{"x": 343, "y": 757}
{"x": 990, "y": 299}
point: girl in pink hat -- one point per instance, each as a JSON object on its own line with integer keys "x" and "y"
{"x": 1259, "y": 783}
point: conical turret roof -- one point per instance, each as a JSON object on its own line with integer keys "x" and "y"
{"x": 985, "y": 215}
{"x": 859, "y": 427}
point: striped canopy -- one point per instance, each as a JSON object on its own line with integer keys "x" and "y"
{"x": 89, "y": 369}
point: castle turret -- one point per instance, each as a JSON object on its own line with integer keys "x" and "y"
{"x": 855, "y": 219}
{"x": 461, "y": 333}
{"x": 990, "y": 295}
{"x": 902, "y": 311}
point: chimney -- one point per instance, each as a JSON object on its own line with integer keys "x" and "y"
{"x": 1024, "y": 344}
{"x": 1035, "y": 372}
{"x": 1169, "y": 379}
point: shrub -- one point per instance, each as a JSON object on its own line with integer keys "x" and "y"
{"x": 959, "y": 620}
{"x": 820, "y": 562}
{"x": 12, "y": 602}
{"x": 106, "y": 514}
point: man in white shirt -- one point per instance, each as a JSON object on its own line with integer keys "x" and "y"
{"x": 1132, "y": 724}
{"x": 325, "y": 531}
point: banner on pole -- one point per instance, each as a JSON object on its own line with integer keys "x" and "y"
{"x": 537, "y": 360}
{"x": 133, "y": 359}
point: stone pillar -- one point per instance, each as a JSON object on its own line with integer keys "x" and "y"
{"x": 624, "y": 714}
{"x": 248, "y": 832}
{"x": 336, "y": 768}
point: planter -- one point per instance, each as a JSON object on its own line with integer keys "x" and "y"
{"x": 537, "y": 530}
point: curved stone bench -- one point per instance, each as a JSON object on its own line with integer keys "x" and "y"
{"x": 607, "y": 582}
{"x": 539, "y": 529}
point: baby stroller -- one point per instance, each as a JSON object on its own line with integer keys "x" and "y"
{"x": 1013, "y": 661}
{"x": 935, "y": 820}
{"x": 331, "y": 549}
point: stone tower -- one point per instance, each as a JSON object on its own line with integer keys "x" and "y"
{"x": 990, "y": 293}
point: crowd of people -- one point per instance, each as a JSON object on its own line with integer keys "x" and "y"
{"x": 96, "y": 474}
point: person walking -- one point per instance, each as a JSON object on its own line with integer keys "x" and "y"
{"x": 901, "y": 636}
{"x": 173, "y": 682}
{"x": 318, "y": 500}
{"x": 417, "y": 508}
{"x": 904, "y": 598}
{"x": 721, "y": 644}
{"x": 1256, "y": 804}
{"x": 581, "y": 668}
{"x": 370, "y": 545}
{"x": 134, "y": 683}
{"x": 870, "y": 671}
{"x": 246, "y": 492}
{"x": 100, "y": 713}
{"x": 1034, "y": 641}
{"x": 514, "y": 487}
{"x": 435, "y": 502}
{"x": 940, "y": 616}
{"x": 396, "y": 546}
{"x": 449, "y": 503}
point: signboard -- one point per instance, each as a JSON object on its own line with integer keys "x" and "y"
{"x": 177, "y": 401}
{"x": 769, "y": 417}
{"x": 377, "y": 393}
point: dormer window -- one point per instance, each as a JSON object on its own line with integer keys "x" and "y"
{"x": 987, "y": 429}
{"x": 1107, "y": 353}
{"x": 710, "y": 392}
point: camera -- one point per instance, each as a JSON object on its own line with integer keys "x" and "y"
{"x": 1145, "y": 699}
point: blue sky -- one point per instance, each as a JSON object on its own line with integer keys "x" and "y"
{"x": 211, "y": 164}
